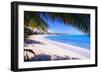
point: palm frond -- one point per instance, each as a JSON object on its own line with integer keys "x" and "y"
{"x": 34, "y": 20}
{"x": 79, "y": 21}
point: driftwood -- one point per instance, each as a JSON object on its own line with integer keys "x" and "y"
{"x": 27, "y": 57}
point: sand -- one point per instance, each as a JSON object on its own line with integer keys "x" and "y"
{"x": 51, "y": 50}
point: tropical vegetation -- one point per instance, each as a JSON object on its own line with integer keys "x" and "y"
{"x": 34, "y": 22}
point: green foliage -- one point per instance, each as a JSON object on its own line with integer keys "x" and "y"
{"x": 79, "y": 21}
{"x": 33, "y": 20}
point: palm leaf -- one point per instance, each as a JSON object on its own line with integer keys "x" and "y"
{"x": 34, "y": 20}
{"x": 79, "y": 21}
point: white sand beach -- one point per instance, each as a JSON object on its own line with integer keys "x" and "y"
{"x": 54, "y": 49}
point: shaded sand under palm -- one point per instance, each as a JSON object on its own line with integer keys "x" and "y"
{"x": 38, "y": 48}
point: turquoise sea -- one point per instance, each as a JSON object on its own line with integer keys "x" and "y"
{"x": 77, "y": 40}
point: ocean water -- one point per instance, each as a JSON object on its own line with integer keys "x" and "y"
{"x": 77, "y": 40}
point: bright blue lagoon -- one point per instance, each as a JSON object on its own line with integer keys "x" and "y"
{"x": 77, "y": 40}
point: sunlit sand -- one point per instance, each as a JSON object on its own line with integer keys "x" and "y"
{"x": 54, "y": 50}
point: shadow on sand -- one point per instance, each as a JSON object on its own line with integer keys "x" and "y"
{"x": 29, "y": 41}
{"x": 44, "y": 57}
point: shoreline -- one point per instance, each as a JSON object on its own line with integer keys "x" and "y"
{"x": 77, "y": 48}
{"x": 55, "y": 49}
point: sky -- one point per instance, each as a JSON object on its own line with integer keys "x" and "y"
{"x": 58, "y": 27}
{"x": 62, "y": 28}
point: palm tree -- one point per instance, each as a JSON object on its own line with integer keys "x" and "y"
{"x": 33, "y": 21}
{"x": 79, "y": 21}
{"x": 36, "y": 20}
